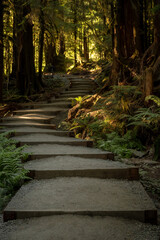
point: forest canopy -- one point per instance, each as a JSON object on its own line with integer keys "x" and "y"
{"x": 55, "y": 35}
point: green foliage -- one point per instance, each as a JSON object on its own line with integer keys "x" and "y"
{"x": 12, "y": 172}
{"x": 154, "y": 98}
{"x": 121, "y": 146}
{"x": 79, "y": 99}
{"x": 147, "y": 118}
{"x": 107, "y": 123}
{"x": 123, "y": 98}
{"x": 119, "y": 104}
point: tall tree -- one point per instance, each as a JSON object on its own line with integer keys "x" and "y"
{"x": 75, "y": 21}
{"x": 128, "y": 39}
{"x": 1, "y": 50}
{"x": 151, "y": 60}
{"x": 25, "y": 59}
{"x": 41, "y": 40}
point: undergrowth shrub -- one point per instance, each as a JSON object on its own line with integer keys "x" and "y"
{"x": 109, "y": 121}
{"x": 119, "y": 121}
{"x": 12, "y": 172}
{"x": 147, "y": 121}
{"x": 121, "y": 146}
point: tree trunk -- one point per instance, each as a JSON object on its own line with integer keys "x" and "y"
{"x": 80, "y": 43}
{"x": 25, "y": 59}
{"x": 128, "y": 40}
{"x": 139, "y": 27}
{"x": 151, "y": 58}
{"x": 145, "y": 24}
{"x": 62, "y": 43}
{"x": 13, "y": 74}
{"x": 1, "y": 51}
{"x": 75, "y": 32}
{"x": 113, "y": 23}
{"x": 50, "y": 54}
{"x": 41, "y": 44}
{"x": 85, "y": 44}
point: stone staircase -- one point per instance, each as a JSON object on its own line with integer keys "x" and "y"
{"x": 70, "y": 178}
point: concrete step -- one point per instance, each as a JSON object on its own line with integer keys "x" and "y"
{"x": 20, "y": 131}
{"x": 47, "y": 111}
{"x": 83, "y": 80}
{"x": 15, "y": 124}
{"x": 82, "y": 196}
{"x": 62, "y": 105}
{"x": 79, "y": 91}
{"x": 71, "y": 227}
{"x": 37, "y": 138}
{"x": 81, "y": 88}
{"x": 82, "y": 84}
{"x": 29, "y": 117}
{"x": 48, "y": 150}
{"x": 68, "y": 166}
{"x": 60, "y": 99}
{"x": 72, "y": 95}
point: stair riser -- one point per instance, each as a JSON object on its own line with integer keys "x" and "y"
{"x": 42, "y": 121}
{"x": 99, "y": 156}
{"x": 48, "y": 113}
{"x": 81, "y": 85}
{"x": 76, "y": 92}
{"x": 149, "y": 216}
{"x": 129, "y": 174}
{"x": 61, "y": 134}
{"x": 27, "y": 125}
{"x": 83, "y": 88}
{"x": 73, "y": 95}
{"x": 65, "y": 105}
{"x": 72, "y": 143}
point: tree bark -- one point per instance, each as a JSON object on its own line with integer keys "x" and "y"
{"x": 113, "y": 23}
{"x": 41, "y": 43}
{"x": 1, "y": 51}
{"x": 62, "y": 43}
{"x": 75, "y": 32}
{"x": 85, "y": 44}
{"x": 50, "y": 53}
{"x": 151, "y": 58}
{"x": 139, "y": 28}
{"x": 25, "y": 60}
{"x": 13, "y": 74}
{"x": 128, "y": 40}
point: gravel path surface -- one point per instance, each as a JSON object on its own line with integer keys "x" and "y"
{"x": 81, "y": 194}
{"x": 71, "y": 227}
{"x": 46, "y": 137}
{"x": 61, "y": 149}
{"x": 69, "y": 162}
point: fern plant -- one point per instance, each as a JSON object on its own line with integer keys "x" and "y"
{"x": 147, "y": 120}
{"x": 12, "y": 172}
{"x": 121, "y": 146}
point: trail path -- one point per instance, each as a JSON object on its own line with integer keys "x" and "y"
{"x": 77, "y": 192}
